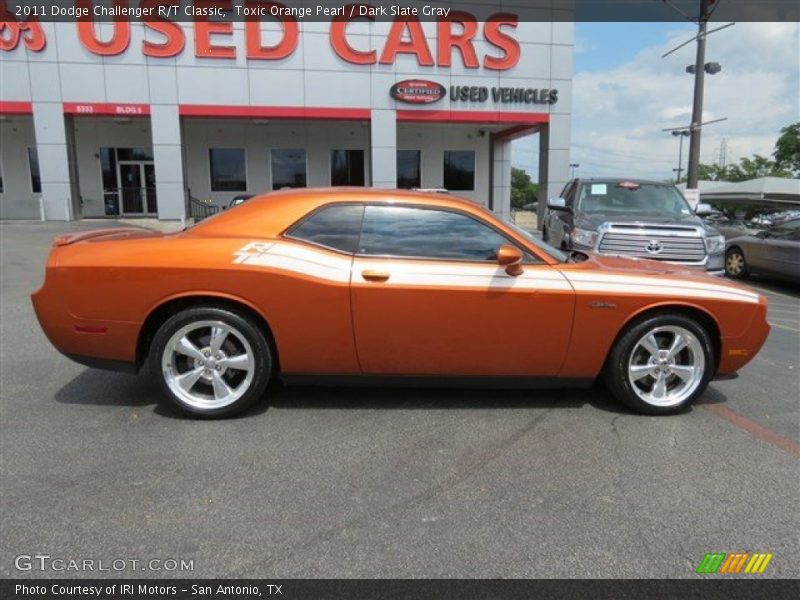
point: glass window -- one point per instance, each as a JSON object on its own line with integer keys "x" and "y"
{"x": 785, "y": 230}
{"x": 33, "y": 163}
{"x": 336, "y": 227}
{"x": 228, "y": 170}
{"x": 108, "y": 168}
{"x": 288, "y": 168}
{"x": 427, "y": 233}
{"x": 135, "y": 153}
{"x": 459, "y": 170}
{"x": 347, "y": 167}
{"x": 408, "y": 169}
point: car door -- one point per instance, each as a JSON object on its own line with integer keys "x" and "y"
{"x": 561, "y": 220}
{"x": 429, "y": 298}
{"x": 781, "y": 250}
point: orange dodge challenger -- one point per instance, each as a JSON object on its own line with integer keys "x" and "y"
{"x": 327, "y": 285}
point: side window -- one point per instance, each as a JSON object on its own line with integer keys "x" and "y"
{"x": 786, "y": 230}
{"x": 427, "y": 233}
{"x": 337, "y": 227}
{"x": 569, "y": 193}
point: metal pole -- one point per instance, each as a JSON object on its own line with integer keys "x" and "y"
{"x": 697, "y": 107}
{"x": 680, "y": 156}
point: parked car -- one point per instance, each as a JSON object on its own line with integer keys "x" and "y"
{"x": 239, "y": 199}
{"x": 774, "y": 252}
{"x": 645, "y": 219}
{"x": 325, "y": 286}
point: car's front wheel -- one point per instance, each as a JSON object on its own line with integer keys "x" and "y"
{"x": 211, "y": 362}
{"x": 735, "y": 265}
{"x": 661, "y": 364}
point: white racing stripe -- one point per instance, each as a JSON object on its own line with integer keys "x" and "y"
{"x": 463, "y": 275}
{"x": 657, "y": 286}
{"x": 304, "y": 260}
{"x": 295, "y": 259}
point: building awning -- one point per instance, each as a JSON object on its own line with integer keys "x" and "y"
{"x": 769, "y": 190}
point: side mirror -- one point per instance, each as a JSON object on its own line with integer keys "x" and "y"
{"x": 510, "y": 257}
{"x": 557, "y": 204}
{"x": 703, "y": 210}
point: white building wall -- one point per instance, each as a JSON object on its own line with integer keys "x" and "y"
{"x": 17, "y": 200}
{"x": 313, "y": 76}
{"x": 433, "y": 140}
{"x": 257, "y": 138}
{"x": 93, "y": 133}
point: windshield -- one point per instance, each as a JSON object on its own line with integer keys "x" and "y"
{"x": 547, "y": 248}
{"x": 648, "y": 199}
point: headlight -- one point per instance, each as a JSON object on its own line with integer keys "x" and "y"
{"x": 715, "y": 244}
{"x": 583, "y": 237}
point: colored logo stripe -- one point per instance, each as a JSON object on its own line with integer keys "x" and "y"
{"x": 720, "y": 562}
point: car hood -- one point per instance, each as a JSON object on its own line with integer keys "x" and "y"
{"x": 592, "y": 221}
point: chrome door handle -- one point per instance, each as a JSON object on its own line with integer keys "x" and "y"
{"x": 371, "y": 275}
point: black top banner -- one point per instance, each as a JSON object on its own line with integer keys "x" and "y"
{"x": 391, "y": 10}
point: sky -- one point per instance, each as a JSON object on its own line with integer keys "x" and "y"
{"x": 624, "y": 94}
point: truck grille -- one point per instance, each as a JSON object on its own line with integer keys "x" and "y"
{"x": 683, "y": 245}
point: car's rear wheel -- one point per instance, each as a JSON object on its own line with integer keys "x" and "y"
{"x": 735, "y": 265}
{"x": 661, "y": 364}
{"x": 211, "y": 362}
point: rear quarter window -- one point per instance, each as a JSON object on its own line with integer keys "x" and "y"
{"x": 337, "y": 227}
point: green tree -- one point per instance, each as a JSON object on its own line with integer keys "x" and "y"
{"x": 752, "y": 168}
{"x": 747, "y": 168}
{"x": 523, "y": 190}
{"x": 787, "y": 149}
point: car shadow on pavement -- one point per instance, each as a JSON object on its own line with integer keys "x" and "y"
{"x": 778, "y": 286}
{"x": 105, "y": 388}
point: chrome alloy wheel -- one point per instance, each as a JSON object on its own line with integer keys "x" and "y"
{"x": 208, "y": 364}
{"x": 666, "y": 366}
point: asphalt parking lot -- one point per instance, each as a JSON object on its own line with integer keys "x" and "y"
{"x": 385, "y": 482}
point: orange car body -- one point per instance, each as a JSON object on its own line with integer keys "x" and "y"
{"x": 330, "y": 313}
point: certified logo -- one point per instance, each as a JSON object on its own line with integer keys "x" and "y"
{"x": 418, "y": 91}
{"x": 654, "y": 247}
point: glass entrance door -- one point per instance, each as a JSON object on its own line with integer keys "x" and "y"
{"x": 137, "y": 188}
{"x": 150, "y": 187}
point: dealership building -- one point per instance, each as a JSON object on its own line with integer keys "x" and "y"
{"x": 157, "y": 119}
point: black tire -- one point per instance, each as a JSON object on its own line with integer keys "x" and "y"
{"x": 735, "y": 263}
{"x": 245, "y": 336}
{"x": 616, "y": 371}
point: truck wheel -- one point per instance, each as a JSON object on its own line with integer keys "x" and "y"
{"x": 660, "y": 364}
{"x": 211, "y": 362}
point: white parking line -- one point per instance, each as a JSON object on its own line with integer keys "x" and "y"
{"x": 768, "y": 291}
{"x": 778, "y": 325}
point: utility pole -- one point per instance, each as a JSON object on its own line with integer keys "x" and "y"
{"x": 681, "y": 134}
{"x": 697, "y": 107}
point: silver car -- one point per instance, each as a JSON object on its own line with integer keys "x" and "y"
{"x": 774, "y": 252}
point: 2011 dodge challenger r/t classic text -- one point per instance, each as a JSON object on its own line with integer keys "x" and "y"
{"x": 327, "y": 285}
